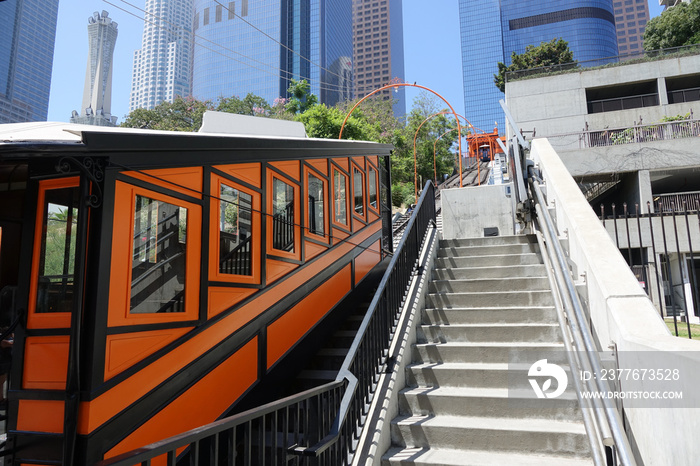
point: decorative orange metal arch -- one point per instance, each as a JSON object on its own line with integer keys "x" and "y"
{"x": 395, "y": 86}
{"x": 444, "y": 112}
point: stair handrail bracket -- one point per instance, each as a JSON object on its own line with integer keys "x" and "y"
{"x": 618, "y": 316}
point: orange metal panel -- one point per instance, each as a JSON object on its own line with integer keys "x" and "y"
{"x": 109, "y": 404}
{"x": 124, "y": 350}
{"x": 122, "y": 253}
{"x": 45, "y": 362}
{"x": 248, "y": 172}
{"x": 187, "y": 180}
{"x": 283, "y": 333}
{"x": 320, "y": 165}
{"x": 40, "y": 416}
{"x": 312, "y": 250}
{"x": 278, "y": 269}
{"x": 202, "y": 404}
{"x": 221, "y": 299}
{"x": 360, "y": 161}
{"x": 365, "y": 261}
{"x": 343, "y": 163}
{"x": 290, "y": 168}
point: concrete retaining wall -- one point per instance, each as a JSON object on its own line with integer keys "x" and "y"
{"x": 623, "y": 316}
{"x": 466, "y": 212}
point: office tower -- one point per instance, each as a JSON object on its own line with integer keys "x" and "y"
{"x": 27, "y": 38}
{"x": 163, "y": 64}
{"x": 97, "y": 95}
{"x": 631, "y": 17}
{"x": 491, "y": 30}
{"x": 258, "y": 47}
{"x": 377, "y": 40}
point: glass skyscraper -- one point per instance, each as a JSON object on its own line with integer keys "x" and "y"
{"x": 378, "y": 48}
{"x": 27, "y": 39}
{"x": 162, "y": 66}
{"x": 492, "y": 29}
{"x": 257, "y": 47}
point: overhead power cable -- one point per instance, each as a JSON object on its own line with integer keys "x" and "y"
{"x": 279, "y": 73}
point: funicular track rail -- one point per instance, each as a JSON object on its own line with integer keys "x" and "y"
{"x": 319, "y": 426}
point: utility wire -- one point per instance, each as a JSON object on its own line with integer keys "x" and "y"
{"x": 280, "y": 43}
{"x": 322, "y": 85}
{"x": 248, "y": 209}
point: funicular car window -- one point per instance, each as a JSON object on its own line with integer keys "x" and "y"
{"x": 159, "y": 253}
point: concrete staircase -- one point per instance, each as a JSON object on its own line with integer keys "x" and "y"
{"x": 487, "y": 297}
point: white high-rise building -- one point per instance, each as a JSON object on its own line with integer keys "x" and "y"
{"x": 162, "y": 65}
{"x": 97, "y": 95}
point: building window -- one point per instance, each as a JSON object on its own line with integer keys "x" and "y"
{"x": 372, "y": 187}
{"x": 206, "y": 16}
{"x": 340, "y": 197}
{"x": 58, "y": 225}
{"x": 158, "y": 258}
{"x": 316, "y": 205}
{"x": 235, "y": 231}
{"x": 358, "y": 192}
{"x": 282, "y": 216}
{"x": 219, "y": 10}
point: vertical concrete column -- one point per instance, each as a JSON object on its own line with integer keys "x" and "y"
{"x": 644, "y": 186}
{"x": 663, "y": 95}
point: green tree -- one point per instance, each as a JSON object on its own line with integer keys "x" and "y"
{"x": 322, "y": 121}
{"x": 251, "y": 104}
{"x": 674, "y": 27}
{"x": 554, "y": 52}
{"x": 183, "y": 114}
{"x": 300, "y": 96}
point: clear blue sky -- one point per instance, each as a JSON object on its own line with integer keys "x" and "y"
{"x": 431, "y": 48}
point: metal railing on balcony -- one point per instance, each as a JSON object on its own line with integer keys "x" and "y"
{"x": 628, "y": 135}
{"x": 319, "y": 426}
{"x": 623, "y": 103}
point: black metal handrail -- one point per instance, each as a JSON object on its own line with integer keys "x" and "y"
{"x": 318, "y": 426}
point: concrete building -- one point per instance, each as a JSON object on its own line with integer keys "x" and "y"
{"x": 97, "y": 95}
{"x": 258, "y": 47}
{"x": 491, "y": 31}
{"x": 631, "y": 17}
{"x": 377, "y": 42}
{"x": 162, "y": 66}
{"x": 628, "y": 134}
{"x": 27, "y": 38}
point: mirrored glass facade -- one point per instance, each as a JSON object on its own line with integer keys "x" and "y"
{"x": 258, "y": 46}
{"x": 27, "y": 39}
{"x": 491, "y": 30}
{"x": 161, "y": 69}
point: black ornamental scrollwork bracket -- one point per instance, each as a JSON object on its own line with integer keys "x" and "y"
{"x": 92, "y": 169}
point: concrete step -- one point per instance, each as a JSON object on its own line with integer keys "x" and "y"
{"x": 489, "y": 299}
{"x": 448, "y": 457}
{"x": 487, "y": 241}
{"x": 488, "y": 402}
{"x": 476, "y": 352}
{"x": 488, "y": 285}
{"x": 488, "y": 250}
{"x": 515, "y": 332}
{"x": 513, "y": 271}
{"x": 488, "y": 261}
{"x": 490, "y": 315}
{"x": 471, "y": 375}
{"x": 541, "y": 436}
